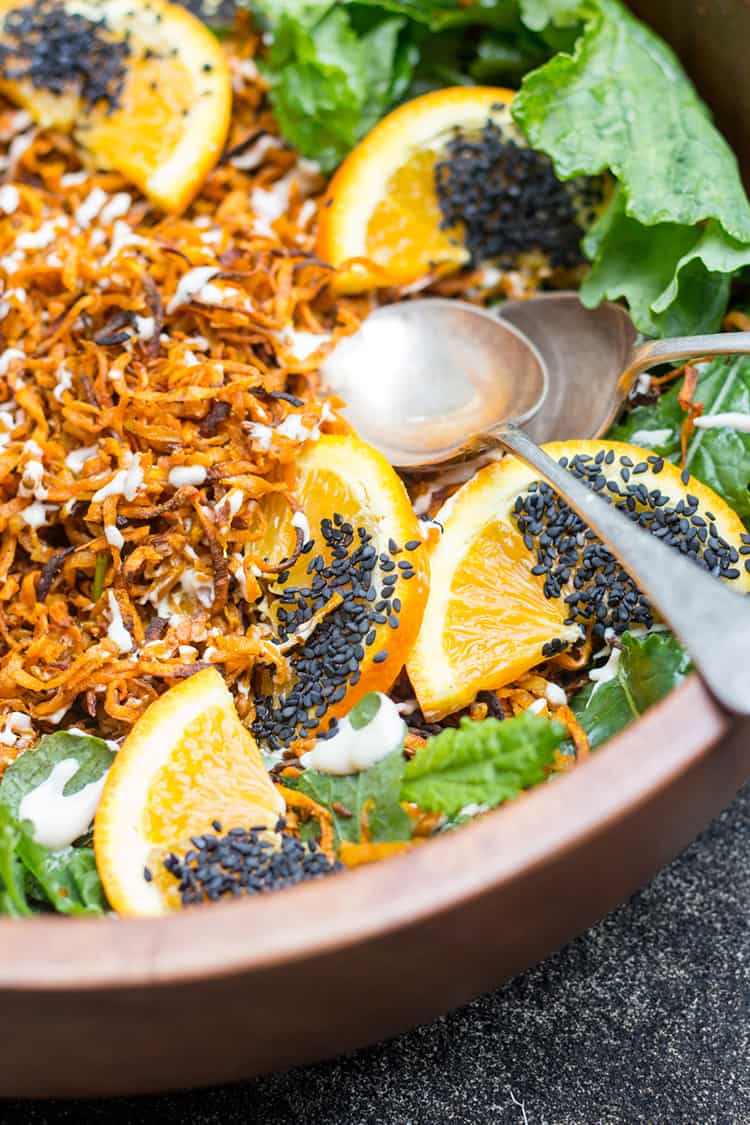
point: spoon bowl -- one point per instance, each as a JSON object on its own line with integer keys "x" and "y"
{"x": 420, "y": 376}
{"x": 585, "y": 352}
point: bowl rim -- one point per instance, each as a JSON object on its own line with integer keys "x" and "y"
{"x": 55, "y": 954}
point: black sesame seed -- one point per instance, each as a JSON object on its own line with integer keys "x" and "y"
{"x": 507, "y": 199}
{"x": 55, "y": 50}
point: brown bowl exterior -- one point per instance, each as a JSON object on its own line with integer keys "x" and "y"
{"x": 212, "y": 995}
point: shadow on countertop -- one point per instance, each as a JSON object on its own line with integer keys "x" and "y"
{"x": 645, "y": 1018}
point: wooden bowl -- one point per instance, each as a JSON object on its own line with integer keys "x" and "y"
{"x": 212, "y": 995}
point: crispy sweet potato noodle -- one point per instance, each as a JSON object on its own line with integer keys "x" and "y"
{"x": 146, "y": 411}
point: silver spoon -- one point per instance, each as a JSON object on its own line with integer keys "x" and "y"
{"x": 430, "y": 381}
{"x": 593, "y": 359}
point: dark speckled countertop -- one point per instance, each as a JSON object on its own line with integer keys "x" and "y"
{"x": 645, "y": 1018}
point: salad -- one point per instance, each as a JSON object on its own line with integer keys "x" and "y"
{"x": 238, "y": 651}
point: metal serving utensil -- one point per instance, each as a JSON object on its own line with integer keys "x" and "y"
{"x": 432, "y": 381}
{"x": 593, "y": 359}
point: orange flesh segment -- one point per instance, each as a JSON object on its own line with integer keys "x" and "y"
{"x": 403, "y": 234}
{"x": 215, "y": 773}
{"x": 496, "y": 600}
{"x": 187, "y": 761}
{"x": 149, "y": 122}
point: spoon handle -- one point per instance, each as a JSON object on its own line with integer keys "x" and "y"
{"x": 711, "y": 620}
{"x": 682, "y": 348}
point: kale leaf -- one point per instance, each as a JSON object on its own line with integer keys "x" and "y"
{"x": 481, "y": 763}
{"x": 679, "y": 222}
{"x": 330, "y": 83}
{"x": 648, "y": 668}
{"x": 34, "y": 766}
{"x": 379, "y": 786}
{"x": 33, "y": 879}
{"x": 719, "y": 458}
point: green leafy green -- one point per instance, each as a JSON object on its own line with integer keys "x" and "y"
{"x": 33, "y": 878}
{"x": 441, "y": 14}
{"x": 379, "y": 786}
{"x": 538, "y": 14}
{"x": 679, "y": 222}
{"x": 481, "y": 763}
{"x": 34, "y": 766}
{"x": 329, "y": 84}
{"x": 362, "y": 714}
{"x": 12, "y": 891}
{"x": 649, "y": 667}
{"x": 67, "y": 880}
{"x": 720, "y": 458}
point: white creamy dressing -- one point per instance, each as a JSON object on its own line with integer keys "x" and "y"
{"x": 651, "y": 437}
{"x": 18, "y": 147}
{"x": 269, "y": 204}
{"x": 59, "y": 820}
{"x": 9, "y": 198}
{"x": 407, "y": 707}
{"x": 36, "y": 514}
{"x": 606, "y": 672}
{"x": 253, "y": 156}
{"x": 7, "y": 357}
{"x": 234, "y": 500}
{"x": 16, "y": 724}
{"x": 114, "y": 536}
{"x": 190, "y": 284}
{"x": 294, "y": 428}
{"x": 299, "y": 519}
{"x": 125, "y": 482}
{"x": 186, "y": 474}
{"x": 303, "y": 344}
{"x": 641, "y": 386}
{"x": 118, "y": 205}
{"x": 145, "y": 327}
{"x": 123, "y": 237}
{"x": 555, "y": 695}
{"x": 87, "y": 211}
{"x": 306, "y": 212}
{"x": 473, "y": 810}
{"x": 77, "y": 458}
{"x": 350, "y": 750}
{"x": 73, "y": 179}
{"x": 237, "y": 567}
{"x": 732, "y": 420}
{"x": 116, "y": 630}
{"x": 38, "y": 239}
{"x": 64, "y": 379}
{"x": 198, "y": 586}
{"x": 262, "y": 435}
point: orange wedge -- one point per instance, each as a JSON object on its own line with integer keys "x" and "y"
{"x": 170, "y": 123}
{"x": 380, "y": 219}
{"x": 187, "y": 761}
{"x": 487, "y": 618}
{"x": 341, "y": 477}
